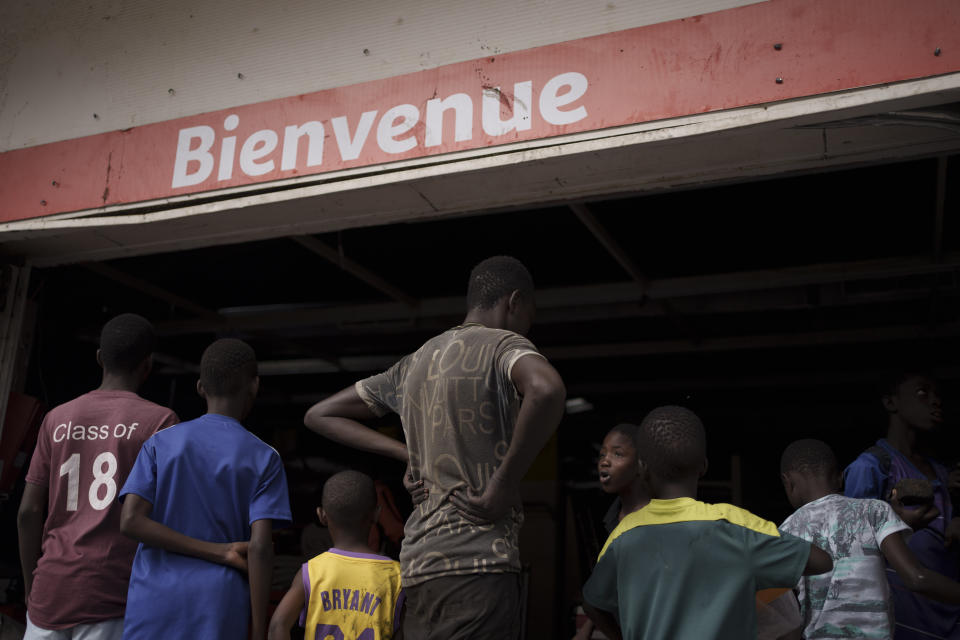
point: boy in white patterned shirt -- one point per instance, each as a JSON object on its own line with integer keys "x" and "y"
{"x": 852, "y": 600}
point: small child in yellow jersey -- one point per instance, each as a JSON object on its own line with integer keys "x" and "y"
{"x": 348, "y": 592}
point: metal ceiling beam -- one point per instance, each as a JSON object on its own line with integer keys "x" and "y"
{"x": 609, "y": 243}
{"x": 763, "y": 341}
{"x": 312, "y": 324}
{"x": 355, "y": 269}
{"x": 153, "y": 291}
{"x": 650, "y": 347}
{"x": 940, "y": 204}
{"x": 605, "y": 238}
{"x": 824, "y": 273}
{"x": 165, "y": 363}
{"x": 725, "y": 382}
{"x": 695, "y": 295}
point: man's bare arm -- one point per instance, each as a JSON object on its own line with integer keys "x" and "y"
{"x": 30, "y": 530}
{"x": 135, "y": 522}
{"x": 914, "y": 575}
{"x": 260, "y": 559}
{"x": 338, "y": 418}
{"x": 288, "y": 611}
{"x": 604, "y": 621}
{"x": 818, "y": 562}
{"x": 540, "y": 412}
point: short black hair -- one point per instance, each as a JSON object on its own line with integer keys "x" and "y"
{"x": 496, "y": 277}
{"x": 125, "y": 342}
{"x": 349, "y": 498}
{"x": 809, "y": 457}
{"x": 672, "y": 443}
{"x": 891, "y": 385}
{"x": 629, "y": 430}
{"x": 226, "y": 366}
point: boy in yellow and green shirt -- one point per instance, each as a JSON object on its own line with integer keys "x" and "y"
{"x": 681, "y": 569}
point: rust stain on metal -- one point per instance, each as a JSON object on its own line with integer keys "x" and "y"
{"x": 106, "y": 185}
{"x": 506, "y": 100}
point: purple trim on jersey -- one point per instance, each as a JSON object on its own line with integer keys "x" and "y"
{"x": 357, "y": 554}
{"x": 305, "y": 574}
{"x": 401, "y": 598}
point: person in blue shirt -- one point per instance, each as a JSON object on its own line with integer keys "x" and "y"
{"x": 198, "y": 492}
{"x": 912, "y": 403}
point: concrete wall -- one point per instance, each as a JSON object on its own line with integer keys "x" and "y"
{"x": 71, "y": 68}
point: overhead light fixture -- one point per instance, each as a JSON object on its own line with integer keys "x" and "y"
{"x": 359, "y": 364}
{"x": 578, "y": 405}
{"x": 296, "y": 367}
{"x": 304, "y": 366}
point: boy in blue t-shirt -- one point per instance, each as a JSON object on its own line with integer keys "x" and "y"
{"x": 913, "y": 406}
{"x": 198, "y": 491}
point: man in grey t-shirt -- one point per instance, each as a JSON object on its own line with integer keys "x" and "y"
{"x": 477, "y": 404}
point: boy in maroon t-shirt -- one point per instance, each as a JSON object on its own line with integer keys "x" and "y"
{"x": 76, "y": 564}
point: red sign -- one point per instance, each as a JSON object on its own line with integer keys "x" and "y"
{"x": 756, "y": 54}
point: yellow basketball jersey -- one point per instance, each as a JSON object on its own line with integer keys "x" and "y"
{"x": 351, "y": 596}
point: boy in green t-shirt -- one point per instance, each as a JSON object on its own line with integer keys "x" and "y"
{"x": 683, "y": 569}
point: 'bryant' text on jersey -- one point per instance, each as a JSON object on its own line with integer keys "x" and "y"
{"x": 70, "y": 431}
{"x": 367, "y": 605}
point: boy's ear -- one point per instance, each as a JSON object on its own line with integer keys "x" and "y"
{"x": 787, "y": 482}
{"x": 99, "y": 359}
{"x": 514, "y": 301}
{"x": 889, "y": 403}
{"x": 836, "y": 478}
{"x": 322, "y": 516}
{"x": 706, "y": 465}
{"x": 145, "y": 368}
{"x": 642, "y": 469}
{"x": 201, "y": 390}
{"x": 255, "y": 387}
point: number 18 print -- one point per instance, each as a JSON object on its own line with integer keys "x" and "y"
{"x": 101, "y": 478}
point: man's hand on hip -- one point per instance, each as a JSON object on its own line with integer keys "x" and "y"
{"x": 493, "y": 504}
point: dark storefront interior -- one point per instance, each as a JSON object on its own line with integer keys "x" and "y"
{"x": 774, "y": 308}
